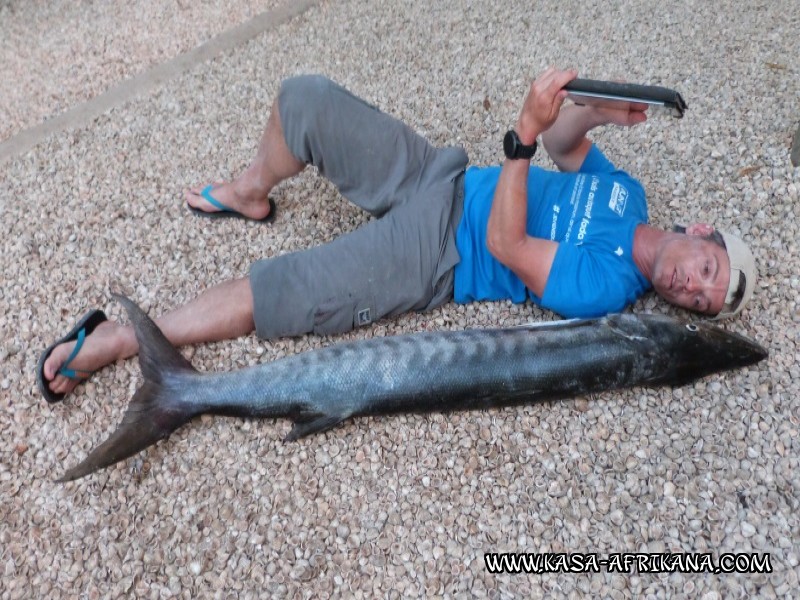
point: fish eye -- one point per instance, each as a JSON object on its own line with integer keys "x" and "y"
{"x": 691, "y": 327}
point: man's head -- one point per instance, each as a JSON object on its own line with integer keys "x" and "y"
{"x": 704, "y": 270}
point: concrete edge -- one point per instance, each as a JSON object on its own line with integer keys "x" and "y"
{"x": 150, "y": 79}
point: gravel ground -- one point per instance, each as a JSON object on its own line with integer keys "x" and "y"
{"x": 60, "y": 52}
{"x": 404, "y": 506}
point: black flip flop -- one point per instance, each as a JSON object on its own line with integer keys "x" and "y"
{"x": 226, "y": 212}
{"x": 87, "y": 325}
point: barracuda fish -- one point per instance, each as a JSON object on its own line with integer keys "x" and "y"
{"x": 421, "y": 372}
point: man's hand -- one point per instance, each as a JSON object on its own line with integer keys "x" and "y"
{"x": 626, "y": 117}
{"x": 566, "y": 141}
{"x": 543, "y": 103}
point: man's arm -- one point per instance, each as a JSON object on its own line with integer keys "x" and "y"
{"x": 564, "y": 136}
{"x": 506, "y": 236}
{"x": 566, "y": 140}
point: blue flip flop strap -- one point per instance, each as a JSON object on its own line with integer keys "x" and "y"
{"x": 206, "y": 193}
{"x": 73, "y": 373}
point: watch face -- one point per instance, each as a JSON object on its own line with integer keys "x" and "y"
{"x": 514, "y": 148}
{"x": 510, "y": 144}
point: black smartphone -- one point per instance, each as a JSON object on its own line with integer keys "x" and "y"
{"x": 625, "y": 95}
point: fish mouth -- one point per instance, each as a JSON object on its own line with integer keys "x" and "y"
{"x": 752, "y": 352}
{"x": 742, "y": 351}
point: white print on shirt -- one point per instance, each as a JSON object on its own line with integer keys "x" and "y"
{"x": 556, "y": 210}
{"x": 576, "y": 194}
{"x": 619, "y": 198}
{"x": 587, "y": 213}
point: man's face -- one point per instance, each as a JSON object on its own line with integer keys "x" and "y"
{"x": 693, "y": 273}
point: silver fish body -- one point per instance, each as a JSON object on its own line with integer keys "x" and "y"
{"x": 423, "y": 372}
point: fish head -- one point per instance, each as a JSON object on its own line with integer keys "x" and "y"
{"x": 689, "y": 350}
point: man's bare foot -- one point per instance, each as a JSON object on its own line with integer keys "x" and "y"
{"x": 236, "y": 195}
{"x": 107, "y": 343}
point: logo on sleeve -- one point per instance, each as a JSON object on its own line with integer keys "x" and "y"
{"x": 619, "y": 198}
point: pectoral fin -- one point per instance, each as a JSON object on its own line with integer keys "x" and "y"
{"x": 316, "y": 423}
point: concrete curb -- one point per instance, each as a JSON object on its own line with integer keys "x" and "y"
{"x": 147, "y": 81}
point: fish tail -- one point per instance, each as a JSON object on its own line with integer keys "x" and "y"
{"x": 154, "y": 411}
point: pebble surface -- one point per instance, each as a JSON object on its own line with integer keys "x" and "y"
{"x": 56, "y": 54}
{"x": 403, "y": 506}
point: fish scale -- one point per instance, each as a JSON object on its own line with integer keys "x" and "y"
{"x": 425, "y": 372}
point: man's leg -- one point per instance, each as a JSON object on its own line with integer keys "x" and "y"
{"x": 248, "y": 193}
{"x": 375, "y": 160}
{"x": 222, "y": 312}
{"x": 386, "y": 267}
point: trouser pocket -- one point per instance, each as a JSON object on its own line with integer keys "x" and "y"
{"x": 337, "y": 316}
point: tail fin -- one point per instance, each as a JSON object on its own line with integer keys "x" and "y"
{"x": 153, "y": 413}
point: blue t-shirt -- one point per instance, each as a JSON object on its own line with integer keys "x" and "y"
{"x": 592, "y": 214}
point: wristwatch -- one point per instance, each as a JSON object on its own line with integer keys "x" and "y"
{"x": 515, "y": 149}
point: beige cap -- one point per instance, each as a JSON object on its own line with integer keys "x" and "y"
{"x": 743, "y": 276}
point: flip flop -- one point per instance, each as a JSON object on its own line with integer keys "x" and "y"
{"x": 84, "y": 327}
{"x": 226, "y": 212}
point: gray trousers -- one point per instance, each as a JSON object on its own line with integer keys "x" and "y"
{"x": 400, "y": 261}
